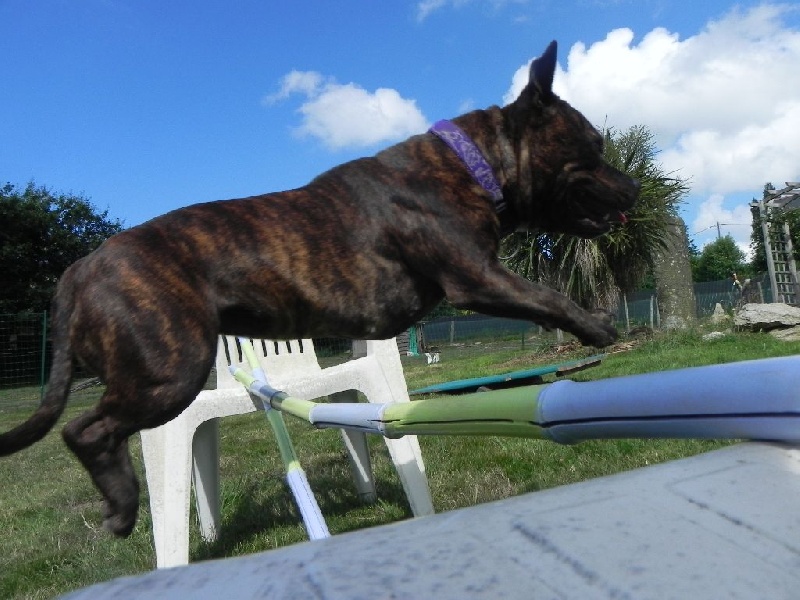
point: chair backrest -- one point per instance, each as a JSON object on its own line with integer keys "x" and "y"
{"x": 282, "y": 360}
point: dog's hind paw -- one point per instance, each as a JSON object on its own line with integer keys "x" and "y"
{"x": 121, "y": 525}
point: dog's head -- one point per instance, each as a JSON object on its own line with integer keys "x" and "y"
{"x": 564, "y": 184}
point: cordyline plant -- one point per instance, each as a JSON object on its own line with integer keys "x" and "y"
{"x": 593, "y": 272}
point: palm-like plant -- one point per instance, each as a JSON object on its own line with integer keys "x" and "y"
{"x": 593, "y": 272}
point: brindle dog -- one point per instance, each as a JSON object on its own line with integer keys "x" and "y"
{"x": 363, "y": 251}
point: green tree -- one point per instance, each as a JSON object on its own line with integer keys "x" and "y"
{"x": 719, "y": 259}
{"x": 694, "y": 257}
{"x": 593, "y": 272}
{"x": 793, "y": 219}
{"x": 43, "y": 233}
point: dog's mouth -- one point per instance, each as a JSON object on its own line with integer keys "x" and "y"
{"x": 596, "y": 201}
{"x": 598, "y": 224}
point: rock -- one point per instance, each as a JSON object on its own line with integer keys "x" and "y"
{"x": 714, "y": 335}
{"x": 790, "y": 334}
{"x": 765, "y": 317}
{"x": 719, "y": 315}
{"x": 640, "y": 331}
{"x": 674, "y": 322}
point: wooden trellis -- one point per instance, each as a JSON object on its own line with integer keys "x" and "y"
{"x": 778, "y": 243}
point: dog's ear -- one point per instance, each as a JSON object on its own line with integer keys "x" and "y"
{"x": 543, "y": 69}
{"x": 539, "y": 90}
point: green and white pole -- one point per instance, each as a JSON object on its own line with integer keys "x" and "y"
{"x": 295, "y": 476}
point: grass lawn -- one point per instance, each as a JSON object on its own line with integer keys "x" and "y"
{"x": 51, "y": 543}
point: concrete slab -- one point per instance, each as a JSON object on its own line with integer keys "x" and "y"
{"x": 721, "y": 525}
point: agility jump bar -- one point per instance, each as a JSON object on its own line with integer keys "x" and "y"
{"x": 757, "y": 399}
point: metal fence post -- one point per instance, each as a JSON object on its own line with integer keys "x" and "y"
{"x": 627, "y": 315}
{"x": 43, "y": 355}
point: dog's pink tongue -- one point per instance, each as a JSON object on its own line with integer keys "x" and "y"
{"x": 622, "y": 218}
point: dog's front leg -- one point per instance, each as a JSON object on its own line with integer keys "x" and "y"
{"x": 497, "y": 291}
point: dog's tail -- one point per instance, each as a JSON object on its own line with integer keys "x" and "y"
{"x": 52, "y": 405}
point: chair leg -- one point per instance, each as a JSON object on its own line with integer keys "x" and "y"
{"x": 360, "y": 465}
{"x": 407, "y": 458}
{"x": 358, "y": 452}
{"x": 205, "y": 476}
{"x": 167, "y": 460}
{"x": 405, "y": 452}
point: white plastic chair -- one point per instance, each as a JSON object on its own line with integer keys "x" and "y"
{"x": 186, "y": 450}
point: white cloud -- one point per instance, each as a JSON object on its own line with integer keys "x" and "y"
{"x": 466, "y": 106}
{"x": 724, "y": 104}
{"x": 347, "y": 115}
{"x": 303, "y": 82}
{"x": 426, "y": 7}
{"x": 718, "y": 80}
{"x": 519, "y": 80}
{"x": 730, "y": 159}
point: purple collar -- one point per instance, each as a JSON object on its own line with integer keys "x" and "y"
{"x": 460, "y": 143}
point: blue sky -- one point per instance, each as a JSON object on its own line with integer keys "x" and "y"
{"x": 145, "y": 106}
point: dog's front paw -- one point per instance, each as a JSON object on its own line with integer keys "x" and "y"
{"x": 601, "y": 332}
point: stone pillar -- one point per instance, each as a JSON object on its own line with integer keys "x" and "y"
{"x": 673, "y": 275}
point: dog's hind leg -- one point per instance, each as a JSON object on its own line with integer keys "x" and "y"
{"x": 152, "y": 373}
{"x": 101, "y": 444}
{"x": 99, "y": 438}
